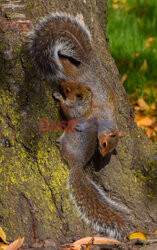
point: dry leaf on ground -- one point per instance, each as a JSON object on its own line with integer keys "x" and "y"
{"x": 137, "y": 235}
{"x": 16, "y": 244}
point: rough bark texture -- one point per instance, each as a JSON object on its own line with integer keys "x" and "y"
{"x": 34, "y": 198}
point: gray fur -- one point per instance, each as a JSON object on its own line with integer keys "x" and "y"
{"x": 47, "y": 60}
{"x": 111, "y": 232}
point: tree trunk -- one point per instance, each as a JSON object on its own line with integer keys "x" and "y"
{"x": 34, "y": 198}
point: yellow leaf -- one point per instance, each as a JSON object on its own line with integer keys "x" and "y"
{"x": 153, "y": 106}
{"x": 137, "y": 235}
{"x": 2, "y": 235}
{"x": 144, "y": 66}
{"x": 115, "y": 6}
{"x": 3, "y": 246}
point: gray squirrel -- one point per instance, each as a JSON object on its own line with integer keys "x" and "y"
{"x": 77, "y": 102}
{"x": 95, "y": 208}
{"x": 62, "y": 51}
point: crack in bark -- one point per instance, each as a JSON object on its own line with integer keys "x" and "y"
{"x": 31, "y": 215}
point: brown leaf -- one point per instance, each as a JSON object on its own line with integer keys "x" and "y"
{"x": 143, "y": 105}
{"x": 16, "y": 244}
{"x": 97, "y": 240}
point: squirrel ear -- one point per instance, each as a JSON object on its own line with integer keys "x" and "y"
{"x": 121, "y": 134}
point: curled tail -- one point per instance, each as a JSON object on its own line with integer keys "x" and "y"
{"x": 95, "y": 208}
{"x": 60, "y": 43}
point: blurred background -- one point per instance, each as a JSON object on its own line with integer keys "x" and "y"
{"x": 132, "y": 33}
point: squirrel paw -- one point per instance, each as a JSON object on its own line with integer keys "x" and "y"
{"x": 57, "y": 96}
{"x": 82, "y": 126}
{"x": 79, "y": 127}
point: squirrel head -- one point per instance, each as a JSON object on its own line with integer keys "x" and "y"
{"x": 73, "y": 90}
{"x": 108, "y": 141}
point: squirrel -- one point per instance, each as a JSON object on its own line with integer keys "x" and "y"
{"x": 95, "y": 208}
{"x": 75, "y": 99}
{"x": 62, "y": 50}
{"x": 78, "y": 103}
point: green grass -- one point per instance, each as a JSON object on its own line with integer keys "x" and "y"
{"x": 132, "y": 30}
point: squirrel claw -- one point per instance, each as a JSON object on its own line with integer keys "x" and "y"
{"x": 79, "y": 128}
{"x": 57, "y": 95}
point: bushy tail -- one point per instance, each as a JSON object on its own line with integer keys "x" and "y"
{"x": 57, "y": 39}
{"x": 95, "y": 208}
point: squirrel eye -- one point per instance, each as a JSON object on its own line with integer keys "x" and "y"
{"x": 67, "y": 90}
{"x": 104, "y": 144}
{"x": 79, "y": 96}
{"x": 114, "y": 135}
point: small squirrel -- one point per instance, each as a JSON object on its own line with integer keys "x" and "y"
{"x": 62, "y": 51}
{"x": 78, "y": 103}
{"x": 108, "y": 141}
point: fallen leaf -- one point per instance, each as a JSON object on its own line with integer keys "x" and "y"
{"x": 3, "y": 246}
{"x": 88, "y": 241}
{"x": 97, "y": 240}
{"x": 16, "y": 244}
{"x": 143, "y": 105}
{"x": 144, "y": 122}
{"x": 137, "y": 235}
{"x": 2, "y": 235}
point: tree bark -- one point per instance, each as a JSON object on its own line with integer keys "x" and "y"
{"x": 34, "y": 198}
